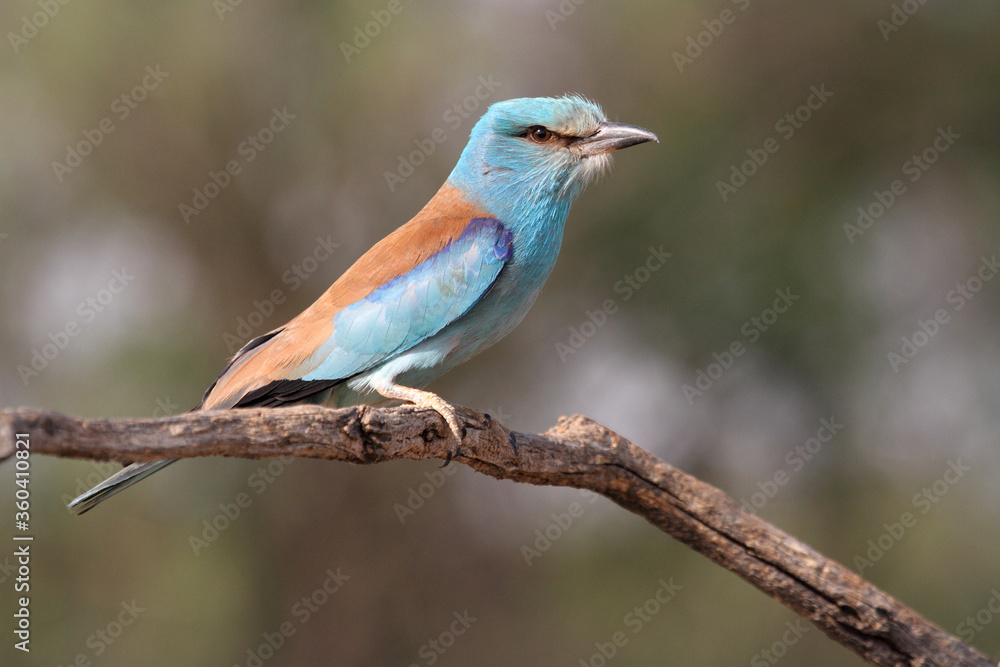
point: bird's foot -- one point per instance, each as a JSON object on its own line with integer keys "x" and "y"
{"x": 426, "y": 399}
{"x": 457, "y": 431}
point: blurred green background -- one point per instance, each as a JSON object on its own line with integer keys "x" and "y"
{"x": 140, "y": 304}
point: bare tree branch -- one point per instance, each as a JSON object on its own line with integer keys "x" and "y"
{"x": 577, "y": 452}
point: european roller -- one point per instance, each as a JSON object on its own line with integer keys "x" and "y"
{"x": 446, "y": 285}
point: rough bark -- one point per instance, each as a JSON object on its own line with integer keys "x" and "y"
{"x": 576, "y": 452}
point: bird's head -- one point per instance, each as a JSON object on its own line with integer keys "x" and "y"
{"x": 538, "y": 151}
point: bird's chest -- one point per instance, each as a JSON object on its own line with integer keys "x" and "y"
{"x": 534, "y": 254}
{"x": 518, "y": 284}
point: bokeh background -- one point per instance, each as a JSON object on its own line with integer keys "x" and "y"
{"x": 157, "y": 298}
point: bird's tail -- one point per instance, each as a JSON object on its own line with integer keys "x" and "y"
{"x": 120, "y": 481}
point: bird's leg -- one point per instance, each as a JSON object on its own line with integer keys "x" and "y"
{"x": 426, "y": 399}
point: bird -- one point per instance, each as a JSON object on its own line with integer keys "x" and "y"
{"x": 449, "y": 283}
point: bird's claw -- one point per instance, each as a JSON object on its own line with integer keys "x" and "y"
{"x": 512, "y": 440}
{"x": 454, "y": 453}
{"x": 456, "y": 435}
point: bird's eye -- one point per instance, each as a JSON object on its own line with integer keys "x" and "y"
{"x": 540, "y": 135}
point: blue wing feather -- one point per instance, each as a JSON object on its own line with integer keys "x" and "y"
{"x": 416, "y": 305}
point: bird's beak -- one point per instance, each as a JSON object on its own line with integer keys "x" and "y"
{"x": 613, "y": 137}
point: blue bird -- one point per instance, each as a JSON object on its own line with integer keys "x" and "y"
{"x": 445, "y": 286}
